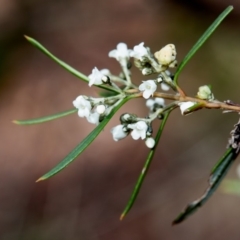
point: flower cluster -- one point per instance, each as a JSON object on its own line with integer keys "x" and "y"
{"x": 120, "y": 88}
{"x": 95, "y": 109}
{"x": 139, "y": 128}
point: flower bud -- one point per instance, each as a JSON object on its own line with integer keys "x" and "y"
{"x": 100, "y": 109}
{"x": 119, "y": 132}
{"x": 166, "y": 55}
{"x": 150, "y": 142}
{"x": 204, "y": 92}
{"x": 147, "y": 71}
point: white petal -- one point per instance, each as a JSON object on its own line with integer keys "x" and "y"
{"x": 147, "y": 94}
{"x": 135, "y": 135}
{"x": 113, "y": 53}
{"x": 142, "y": 86}
{"x": 139, "y": 51}
{"x": 83, "y": 112}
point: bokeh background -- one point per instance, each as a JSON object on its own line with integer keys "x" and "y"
{"x": 86, "y": 199}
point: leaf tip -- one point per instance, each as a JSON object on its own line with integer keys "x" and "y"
{"x": 177, "y": 221}
{"x": 16, "y": 122}
{"x": 122, "y": 216}
{"x": 40, "y": 179}
{"x": 27, "y": 37}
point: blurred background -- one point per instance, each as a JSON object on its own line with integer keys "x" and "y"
{"x": 86, "y": 199}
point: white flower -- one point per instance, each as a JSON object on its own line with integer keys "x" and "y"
{"x": 139, "y": 51}
{"x": 166, "y": 55}
{"x": 148, "y": 88}
{"x": 204, "y": 92}
{"x": 83, "y": 106}
{"x": 139, "y": 130}
{"x": 184, "y": 106}
{"x": 118, "y": 132}
{"x": 150, "y": 142}
{"x": 150, "y": 103}
{"x": 93, "y": 118}
{"x": 100, "y": 109}
{"x": 122, "y": 53}
{"x": 96, "y": 76}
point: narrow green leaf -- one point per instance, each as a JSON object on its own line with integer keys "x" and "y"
{"x": 45, "y": 119}
{"x": 201, "y": 41}
{"x": 220, "y": 162}
{"x": 215, "y": 179}
{"x": 83, "y": 145}
{"x": 145, "y": 168}
{"x": 65, "y": 65}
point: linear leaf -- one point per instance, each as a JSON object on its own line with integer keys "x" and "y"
{"x": 215, "y": 179}
{"x": 44, "y": 119}
{"x": 201, "y": 41}
{"x": 145, "y": 168}
{"x": 83, "y": 145}
{"x": 65, "y": 65}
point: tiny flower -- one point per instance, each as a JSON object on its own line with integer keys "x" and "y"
{"x": 83, "y": 106}
{"x": 150, "y": 142}
{"x": 96, "y": 76}
{"x": 166, "y": 55}
{"x": 93, "y": 118}
{"x": 204, "y": 92}
{"x": 148, "y": 88}
{"x": 118, "y": 132}
{"x": 122, "y": 53}
{"x": 184, "y": 106}
{"x": 139, "y": 130}
{"x": 100, "y": 109}
{"x": 139, "y": 51}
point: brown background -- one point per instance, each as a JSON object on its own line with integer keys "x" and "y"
{"x": 86, "y": 199}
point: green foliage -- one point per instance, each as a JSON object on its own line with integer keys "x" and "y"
{"x": 220, "y": 170}
{"x": 45, "y": 119}
{"x": 83, "y": 145}
{"x": 131, "y": 91}
{"x": 145, "y": 168}
{"x": 63, "y": 64}
{"x": 201, "y": 41}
